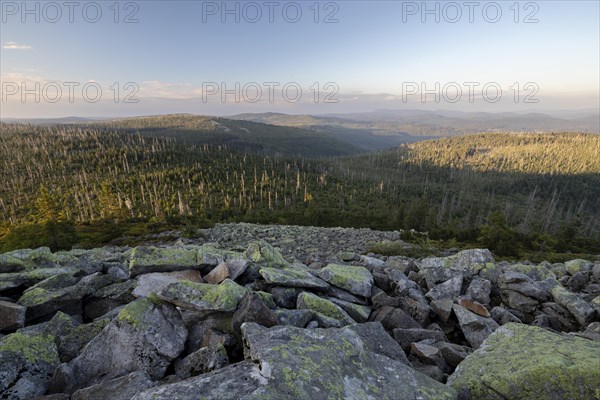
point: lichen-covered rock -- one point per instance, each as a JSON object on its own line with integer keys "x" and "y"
{"x": 575, "y": 266}
{"x": 252, "y": 309}
{"x": 210, "y": 255}
{"x": 202, "y": 361}
{"x": 235, "y": 382}
{"x": 12, "y": 316}
{"x": 28, "y": 278}
{"x": 356, "y": 280}
{"x": 146, "y": 335}
{"x": 72, "y": 343}
{"x": 156, "y": 281}
{"x": 262, "y": 252}
{"x": 204, "y": 297}
{"x": 108, "y": 298}
{"x": 582, "y": 311}
{"x": 297, "y": 318}
{"x": 406, "y": 337}
{"x": 446, "y": 290}
{"x": 145, "y": 259}
{"x": 467, "y": 263}
{"x": 310, "y": 301}
{"x": 358, "y": 312}
{"x": 330, "y": 364}
{"x": 523, "y": 284}
{"x": 10, "y": 263}
{"x": 525, "y": 362}
{"x": 121, "y": 388}
{"x": 376, "y": 339}
{"x": 231, "y": 269}
{"x": 59, "y": 326}
{"x": 292, "y": 277}
{"x": 392, "y": 318}
{"x": 41, "y": 303}
{"x": 475, "y": 327}
{"x": 479, "y": 290}
{"x": 26, "y": 365}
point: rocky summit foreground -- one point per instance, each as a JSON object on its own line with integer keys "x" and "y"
{"x": 255, "y": 314}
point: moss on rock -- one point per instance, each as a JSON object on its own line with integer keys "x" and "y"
{"x": 33, "y": 348}
{"x": 526, "y": 362}
{"x": 329, "y": 309}
{"x": 204, "y": 297}
{"x": 356, "y": 280}
{"x": 146, "y": 259}
{"x": 262, "y": 252}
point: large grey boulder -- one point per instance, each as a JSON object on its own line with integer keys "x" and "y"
{"x": 323, "y": 306}
{"x": 301, "y": 364}
{"x": 526, "y": 362}
{"x": 377, "y": 340}
{"x": 72, "y": 343}
{"x": 449, "y": 289}
{"x": 42, "y": 303}
{"x": 146, "y": 259}
{"x": 145, "y": 336}
{"x": 292, "y": 276}
{"x": 29, "y": 277}
{"x": 12, "y": 316}
{"x": 356, "y": 280}
{"x": 121, "y": 388}
{"x": 475, "y": 327}
{"x": 108, "y": 298}
{"x": 204, "y": 297}
{"x": 235, "y": 382}
{"x": 202, "y": 361}
{"x": 583, "y": 312}
{"x": 156, "y": 281}
{"x": 329, "y": 364}
{"x": 26, "y": 365}
{"x": 231, "y": 269}
{"x": 468, "y": 263}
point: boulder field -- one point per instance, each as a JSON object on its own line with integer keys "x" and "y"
{"x": 246, "y": 312}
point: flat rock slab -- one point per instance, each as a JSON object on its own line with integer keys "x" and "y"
{"x": 146, "y": 259}
{"x": 582, "y": 311}
{"x": 12, "y": 316}
{"x": 231, "y": 269}
{"x": 145, "y": 336}
{"x": 313, "y": 302}
{"x": 330, "y": 364}
{"x": 122, "y": 388}
{"x": 475, "y": 327}
{"x": 292, "y": 277}
{"x": 26, "y": 365}
{"x": 235, "y": 382}
{"x": 356, "y": 280}
{"x": 526, "y": 362}
{"x": 467, "y": 263}
{"x": 204, "y": 297}
{"x": 156, "y": 281}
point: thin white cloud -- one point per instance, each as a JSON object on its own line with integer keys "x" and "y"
{"x": 16, "y": 46}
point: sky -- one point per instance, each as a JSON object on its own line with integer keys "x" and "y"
{"x": 108, "y": 58}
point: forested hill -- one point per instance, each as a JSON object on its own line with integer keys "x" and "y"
{"x": 559, "y": 154}
{"x": 540, "y": 192}
{"x": 238, "y": 135}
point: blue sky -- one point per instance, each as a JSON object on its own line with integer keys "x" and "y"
{"x": 373, "y": 51}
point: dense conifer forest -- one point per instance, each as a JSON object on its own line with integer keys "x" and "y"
{"x": 515, "y": 193}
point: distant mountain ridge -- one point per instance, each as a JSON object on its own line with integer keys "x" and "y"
{"x": 385, "y": 128}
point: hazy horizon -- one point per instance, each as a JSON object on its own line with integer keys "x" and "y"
{"x": 215, "y": 58}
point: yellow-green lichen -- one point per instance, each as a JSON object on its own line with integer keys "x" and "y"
{"x": 312, "y": 302}
{"x": 33, "y": 348}
{"x": 134, "y": 313}
{"x": 520, "y": 361}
